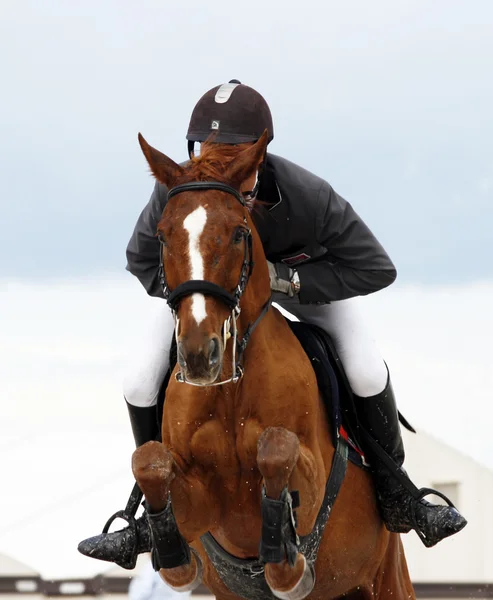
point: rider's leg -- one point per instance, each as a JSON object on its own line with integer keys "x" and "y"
{"x": 141, "y": 391}
{"x": 375, "y": 402}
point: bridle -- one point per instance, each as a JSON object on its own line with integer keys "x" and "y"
{"x": 208, "y": 288}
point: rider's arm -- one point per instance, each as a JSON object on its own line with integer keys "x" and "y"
{"x": 355, "y": 264}
{"x": 143, "y": 247}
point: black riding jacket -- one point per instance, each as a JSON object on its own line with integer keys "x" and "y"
{"x": 304, "y": 224}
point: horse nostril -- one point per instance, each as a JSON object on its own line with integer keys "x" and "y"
{"x": 214, "y": 355}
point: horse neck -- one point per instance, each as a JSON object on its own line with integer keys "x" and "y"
{"x": 268, "y": 325}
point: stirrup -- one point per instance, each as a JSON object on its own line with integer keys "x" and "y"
{"x": 422, "y": 493}
{"x": 129, "y": 512}
{"x": 122, "y": 514}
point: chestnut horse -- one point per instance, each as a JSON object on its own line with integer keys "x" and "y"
{"x": 241, "y": 427}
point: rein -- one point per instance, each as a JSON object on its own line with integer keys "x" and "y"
{"x": 201, "y": 286}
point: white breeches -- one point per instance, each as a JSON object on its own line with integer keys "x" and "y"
{"x": 364, "y": 366}
{"x": 148, "y": 368}
{"x": 363, "y": 363}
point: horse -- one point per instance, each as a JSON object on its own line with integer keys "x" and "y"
{"x": 244, "y": 425}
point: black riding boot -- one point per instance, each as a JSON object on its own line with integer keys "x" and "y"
{"x": 122, "y": 547}
{"x": 402, "y": 507}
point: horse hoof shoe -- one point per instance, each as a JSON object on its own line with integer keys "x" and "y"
{"x": 196, "y": 581}
{"x": 304, "y": 586}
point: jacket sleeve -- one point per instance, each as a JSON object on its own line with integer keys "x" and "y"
{"x": 355, "y": 263}
{"x": 143, "y": 247}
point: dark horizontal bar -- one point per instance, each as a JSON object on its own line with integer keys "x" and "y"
{"x": 119, "y": 585}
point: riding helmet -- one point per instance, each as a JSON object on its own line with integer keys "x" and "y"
{"x": 235, "y": 112}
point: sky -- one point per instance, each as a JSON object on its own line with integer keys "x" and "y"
{"x": 389, "y": 101}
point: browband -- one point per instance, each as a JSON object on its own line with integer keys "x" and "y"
{"x": 194, "y": 186}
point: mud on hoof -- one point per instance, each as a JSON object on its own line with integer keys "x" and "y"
{"x": 182, "y": 581}
{"x": 301, "y": 588}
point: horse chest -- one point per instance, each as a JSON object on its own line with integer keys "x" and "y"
{"x": 226, "y": 447}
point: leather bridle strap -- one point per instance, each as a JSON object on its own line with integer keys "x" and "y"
{"x": 194, "y": 186}
{"x": 173, "y": 297}
{"x": 250, "y": 329}
{"x": 200, "y": 286}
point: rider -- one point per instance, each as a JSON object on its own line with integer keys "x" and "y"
{"x": 320, "y": 255}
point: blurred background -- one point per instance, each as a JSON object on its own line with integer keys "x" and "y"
{"x": 390, "y": 101}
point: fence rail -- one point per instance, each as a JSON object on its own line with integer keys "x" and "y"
{"x": 101, "y": 585}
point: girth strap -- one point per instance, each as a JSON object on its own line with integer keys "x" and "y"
{"x": 310, "y": 543}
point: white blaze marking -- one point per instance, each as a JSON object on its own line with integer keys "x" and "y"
{"x": 194, "y": 224}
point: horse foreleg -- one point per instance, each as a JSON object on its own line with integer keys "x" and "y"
{"x": 392, "y": 581}
{"x": 179, "y": 565}
{"x": 287, "y": 572}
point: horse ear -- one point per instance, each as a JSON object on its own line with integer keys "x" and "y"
{"x": 246, "y": 163}
{"x": 163, "y": 168}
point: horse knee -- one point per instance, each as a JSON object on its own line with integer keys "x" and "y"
{"x": 277, "y": 453}
{"x": 151, "y": 462}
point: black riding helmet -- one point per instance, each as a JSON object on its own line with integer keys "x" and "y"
{"x": 235, "y": 112}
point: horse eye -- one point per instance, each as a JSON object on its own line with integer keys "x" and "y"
{"x": 238, "y": 235}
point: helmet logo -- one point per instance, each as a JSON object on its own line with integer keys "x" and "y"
{"x": 215, "y": 125}
{"x": 224, "y": 92}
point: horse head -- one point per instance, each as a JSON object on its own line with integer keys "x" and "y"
{"x": 209, "y": 246}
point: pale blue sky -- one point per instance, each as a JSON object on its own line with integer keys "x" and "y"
{"x": 389, "y": 101}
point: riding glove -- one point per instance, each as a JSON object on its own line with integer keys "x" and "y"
{"x": 283, "y": 279}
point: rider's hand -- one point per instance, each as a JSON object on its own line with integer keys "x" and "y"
{"x": 281, "y": 279}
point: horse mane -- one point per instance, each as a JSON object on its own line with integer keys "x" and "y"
{"x": 213, "y": 161}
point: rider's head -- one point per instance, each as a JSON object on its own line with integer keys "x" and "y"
{"x": 233, "y": 112}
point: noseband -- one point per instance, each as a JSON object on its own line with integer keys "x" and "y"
{"x": 208, "y": 288}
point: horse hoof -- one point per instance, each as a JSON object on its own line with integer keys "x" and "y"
{"x": 304, "y": 586}
{"x": 197, "y": 579}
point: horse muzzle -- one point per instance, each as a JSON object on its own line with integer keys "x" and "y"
{"x": 201, "y": 366}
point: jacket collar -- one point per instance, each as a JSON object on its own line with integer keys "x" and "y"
{"x": 269, "y": 211}
{"x": 269, "y": 192}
